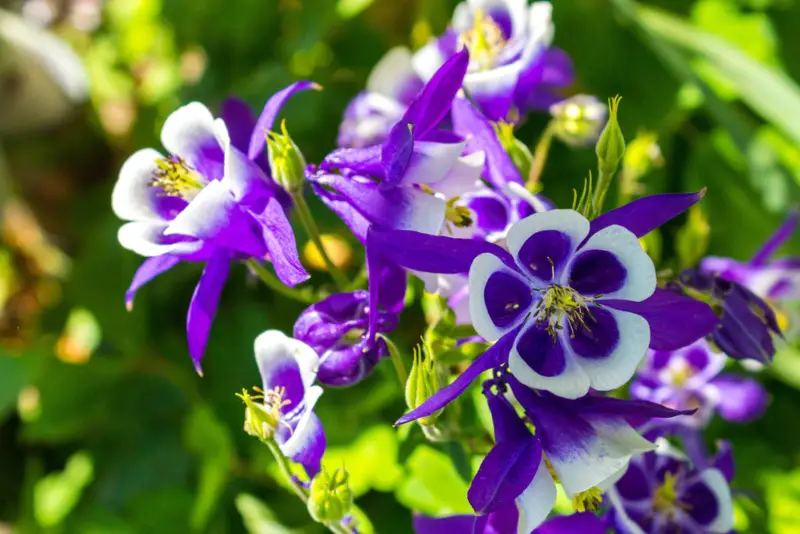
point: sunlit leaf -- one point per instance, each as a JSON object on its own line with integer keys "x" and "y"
{"x": 56, "y": 495}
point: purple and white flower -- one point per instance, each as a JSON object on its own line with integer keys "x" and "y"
{"x": 512, "y": 69}
{"x": 692, "y": 378}
{"x": 663, "y": 492}
{"x": 391, "y": 87}
{"x": 288, "y": 369}
{"x": 206, "y": 201}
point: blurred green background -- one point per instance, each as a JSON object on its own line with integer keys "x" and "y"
{"x": 104, "y": 427}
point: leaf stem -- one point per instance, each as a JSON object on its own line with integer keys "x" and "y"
{"x": 540, "y": 157}
{"x": 314, "y": 234}
{"x": 272, "y": 282}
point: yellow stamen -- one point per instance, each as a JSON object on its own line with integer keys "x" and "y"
{"x": 176, "y": 178}
{"x": 561, "y": 302}
{"x": 588, "y": 500}
{"x": 665, "y": 498}
{"x": 262, "y": 418}
{"x": 460, "y": 216}
{"x": 484, "y": 40}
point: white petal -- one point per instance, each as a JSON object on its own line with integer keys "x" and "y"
{"x": 540, "y": 24}
{"x": 640, "y": 281}
{"x": 603, "y": 458}
{"x": 499, "y": 81}
{"x": 390, "y": 73}
{"x": 188, "y": 131}
{"x": 520, "y": 191}
{"x": 621, "y": 516}
{"x": 568, "y": 222}
{"x": 430, "y": 161}
{"x": 618, "y": 368}
{"x": 536, "y": 501}
{"x": 273, "y": 346}
{"x": 722, "y": 491}
{"x": 464, "y": 176}
{"x": 421, "y": 212}
{"x": 427, "y": 60}
{"x": 304, "y": 430}
{"x": 132, "y": 198}
{"x": 147, "y": 239}
{"x": 572, "y": 383}
{"x": 480, "y": 271}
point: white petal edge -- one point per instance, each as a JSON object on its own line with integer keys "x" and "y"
{"x": 482, "y": 268}
{"x": 427, "y": 60}
{"x": 303, "y": 431}
{"x": 132, "y": 194}
{"x": 568, "y": 222}
{"x": 464, "y": 177}
{"x": 420, "y": 212}
{"x": 273, "y": 346}
{"x": 144, "y": 238}
{"x": 572, "y": 383}
{"x": 536, "y": 501}
{"x": 640, "y": 280}
{"x": 188, "y": 129}
{"x": 614, "y": 445}
{"x": 521, "y": 192}
{"x": 431, "y": 161}
{"x": 618, "y": 368}
{"x": 391, "y": 72}
{"x": 714, "y": 479}
{"x": 621, "y": 515}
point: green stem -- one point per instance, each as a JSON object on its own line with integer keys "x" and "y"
{"x": 603, "y": 182}
{"x": 314, "y": 234}
{"x": 272, "y": 282}
{"x": 540, "y": 157}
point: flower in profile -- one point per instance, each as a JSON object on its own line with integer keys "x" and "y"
{"x": 692, "y": 378}
{"x": 283, "y": 409}
{"x": 747, "y": 322}
{"x": 663, "y": 492}
{"x": 205, "y": 201}
{"x": 336, "y": 327}
{"x": 584, "y": 445}
{"x": 391, "y": 87}
{"x": 512, "y": 69}
{"x": 573, "y": 306}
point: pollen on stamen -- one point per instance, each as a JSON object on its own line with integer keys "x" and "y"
{"x": 176, "y": 178}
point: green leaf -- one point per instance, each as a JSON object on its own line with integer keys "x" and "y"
{"x": 12, "y": 379}
{"x": 208, "y": 438}
{"x": 257, "y": 517}
{"x": 782, "y": 496}
{"x": 56, "y": 495}
{"x": 348, "y": 9}
{"x": 371, "y": 460}
{"x": 433, "y": 485}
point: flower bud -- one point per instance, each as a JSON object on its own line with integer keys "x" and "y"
{"x": 285, "y": 160}
{"x": 423, "y": 381}
{"x": 577, "y": 121}
{"x": 611, "y": 145}
{"x": 330, "y": 497}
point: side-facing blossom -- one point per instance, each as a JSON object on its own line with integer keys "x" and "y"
{"x": 336, "y": 329}
{"x": 206, "y": 200}
{"x": 512, "y": 67}
{"x": 692, "y": 378}
{"x": 663, "y": 492}
{"x": 391, "y": 87}
{"x": 288, "y": 369}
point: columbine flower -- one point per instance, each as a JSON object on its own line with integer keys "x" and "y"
{"x": 205, "y": 201}
{"x": 512, "y": 66}
{"x": 390, "y": 185}
{"x": 283, "y": 409}
{"x": 584, "y": 445}
{"x": 336, "y": 326}
{"x": 391, "y": 87}
{"x": 689, "y": 378}
{"x": 747, "y": 323}
{"x": 663, "y": 492}
{"x": 540, "y": 301}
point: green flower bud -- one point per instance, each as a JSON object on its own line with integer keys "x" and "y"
{"x": 577, "y": 121}
{"x": 611, "y": 145}
{"x": 423, "y": 381}
{"x": 330, "y": 497}
{"x": 285, "y": 160}
{"x": 516, "y": 149}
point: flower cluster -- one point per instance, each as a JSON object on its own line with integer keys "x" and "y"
{"x": 567, "y": 303}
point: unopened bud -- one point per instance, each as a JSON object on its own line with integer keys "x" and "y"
{"x": 285, "y": 160}
{"x": 519, "y": 153}
{"x": 330, "y": 497}
{"x": 577, "y": 121}
{"x": 611, "y": 145}
{"x": 423, "y": 381}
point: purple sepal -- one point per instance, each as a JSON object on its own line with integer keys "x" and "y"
{"x": 271, "y": 109}
{"x": 648, "y": 213}
{"x": 675, "y": 320}
{"x": 280, "y": 243}
{"x": 467, "y": 524}
{"x": 724, "y": 461}
{"x": 149, "y": 269}
{"x": 240, "y": 121}
{"x": 504, "y": 474}
{"x": 471, "y": 124}
{"x": 538, "y": 87}
{"x": 363, "y": 161}
{"x": 784, "y": 232}
{"x": 396, "y": 153}
{"x": 584, "y": 523}
{"x": 494, "y": 356}
{"x": 740, "y": 399}
{"x": 203, "y": 306}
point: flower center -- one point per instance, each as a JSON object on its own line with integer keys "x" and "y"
{"x": 681, "y": 373}
{"x": 177, "y": 179}
{"x": 562, "y": 302}
{"x": 263, "y": 418}
{"x": 588, "y": 500}
{"x": 484, "y": 40}
{"x": 460, "y": 216}
{"x": 665, "y": 498}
